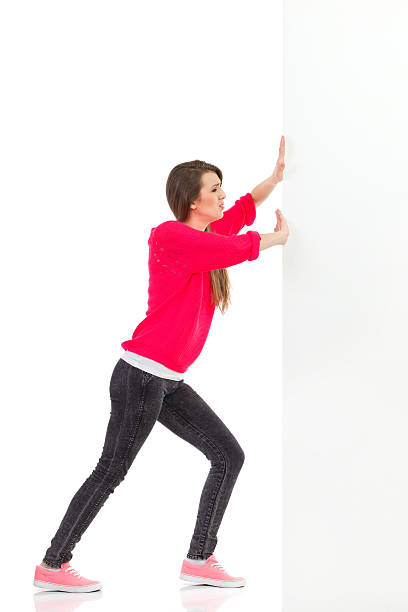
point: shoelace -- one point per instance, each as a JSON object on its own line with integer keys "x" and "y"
{"x": 72, "y": 571}
{"x": 218, "y": 566}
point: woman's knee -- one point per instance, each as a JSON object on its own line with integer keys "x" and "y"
{"x": 231, "y": 455}
{"x": 239, "y": 456}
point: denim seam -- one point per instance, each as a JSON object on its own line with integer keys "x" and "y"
{"x": 210, "y": 513}
{"x": 125, "y": 455}
{"x": 147, "y": 376}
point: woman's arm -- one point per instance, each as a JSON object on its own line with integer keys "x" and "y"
{"x": 235, "y": 218}
{"x": 268, "y": 240}
{"x": 187, "y": 249}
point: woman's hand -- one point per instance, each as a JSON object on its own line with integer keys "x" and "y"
{"x": 281, "y": 223}
{"x": 281, "y": 226}
{"x": 277, "y": 174}
{"x": 263, "y": 190}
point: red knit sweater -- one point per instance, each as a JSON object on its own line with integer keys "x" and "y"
{"x": 179, "y": 313}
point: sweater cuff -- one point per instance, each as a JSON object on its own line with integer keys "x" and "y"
{"x": 250, "y": 209}
{"x": 256, "y": 242}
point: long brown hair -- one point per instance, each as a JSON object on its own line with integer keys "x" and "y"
{"x": 182, "y": 188}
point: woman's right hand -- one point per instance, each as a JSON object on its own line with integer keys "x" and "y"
{"x": 281, "y": 226}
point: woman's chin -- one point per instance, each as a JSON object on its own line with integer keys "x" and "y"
{"x": 220, "y": 215}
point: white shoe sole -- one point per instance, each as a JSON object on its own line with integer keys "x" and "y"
{"x": 212, "y": 581}
{"x": 69, "y": 589}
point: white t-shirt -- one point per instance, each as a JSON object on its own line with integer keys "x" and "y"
{"x": 151, "y": 366}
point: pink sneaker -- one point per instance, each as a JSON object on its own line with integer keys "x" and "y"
{"x": 66, "y": 579}
{"x": 211, "y": 573}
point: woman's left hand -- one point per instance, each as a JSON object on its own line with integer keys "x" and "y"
{"x": 277, "y": 174}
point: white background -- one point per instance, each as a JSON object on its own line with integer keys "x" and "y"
{"x": 99, "y": 101}
{"x": 345, "y": 300}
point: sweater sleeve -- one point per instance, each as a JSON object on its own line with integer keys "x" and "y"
{"x": 243, "y": 212}
{"x": 182, "y": 246}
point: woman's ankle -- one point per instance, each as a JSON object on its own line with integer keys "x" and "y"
{"x": 47, "y": 566}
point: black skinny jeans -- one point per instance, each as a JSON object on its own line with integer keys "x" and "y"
{"x": 138, "y": 400}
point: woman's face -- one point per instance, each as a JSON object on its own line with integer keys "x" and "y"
{"x": 207, "y": 207}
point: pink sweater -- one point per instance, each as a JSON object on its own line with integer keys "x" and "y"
{"x": 179, "y": 313}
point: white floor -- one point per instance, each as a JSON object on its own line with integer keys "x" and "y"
{"x": 168, "y": 594}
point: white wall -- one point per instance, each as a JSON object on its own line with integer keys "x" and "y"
{"x": 345, "y": 298}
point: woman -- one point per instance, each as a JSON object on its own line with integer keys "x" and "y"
{"x": 187, "y": 280}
